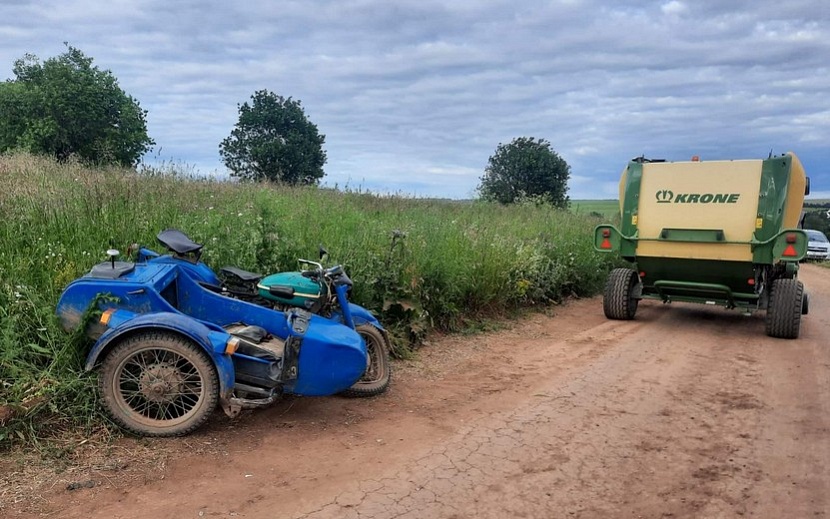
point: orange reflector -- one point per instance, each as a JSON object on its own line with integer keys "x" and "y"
{"x": 791, "y": 237}
{"x": 606, "y": 233}
{"x": 231, "y": 346}
{"x": 106, "y": 316}
{"x": 790, "y": 251}
{"x": 606, "y": 244}
{"x": 750, "y": 281}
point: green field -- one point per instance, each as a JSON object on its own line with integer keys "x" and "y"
{"x": 607, "y": 208}
{"x": 453, "y": 265}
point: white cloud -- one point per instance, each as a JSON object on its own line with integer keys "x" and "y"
{"x": 674, "y": 8}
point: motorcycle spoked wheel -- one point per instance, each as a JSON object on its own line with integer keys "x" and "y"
{"x": 376, "y": 378}
{"x": 158, "y": 384}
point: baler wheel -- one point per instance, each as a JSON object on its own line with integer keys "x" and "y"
{"x": 618, "y": 301}
{"x": 785, "y": 308}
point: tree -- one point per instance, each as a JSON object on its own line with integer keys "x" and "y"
{"x": 66, "y": 106}
{"x": 274, "y": 140}
{"x": 526, "y": 168}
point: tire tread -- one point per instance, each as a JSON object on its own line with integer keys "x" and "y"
{"x": 783, "y": 319}
{"x": 617, "y": 302}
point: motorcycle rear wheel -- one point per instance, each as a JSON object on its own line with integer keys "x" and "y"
{"x": 375, "y": 380}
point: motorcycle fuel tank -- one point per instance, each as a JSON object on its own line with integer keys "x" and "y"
{"x": 306, "y": 291}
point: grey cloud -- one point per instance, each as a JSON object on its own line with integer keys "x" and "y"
{"x": 415, "y": 95}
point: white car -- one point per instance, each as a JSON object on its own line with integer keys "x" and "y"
{"x": 818, "y": 248}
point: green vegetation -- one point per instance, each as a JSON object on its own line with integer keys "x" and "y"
{"x": 527, "y": 169}
{"x": 274, "y": 140}
{"x": 421, "y": 264}
{"x": 66, "y": 106}
{"x": 816, "y": 215}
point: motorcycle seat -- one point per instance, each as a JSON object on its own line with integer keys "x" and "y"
{"x": 243, "y": 275}
{"x": 178, "y": 242}
{"x": 111, "y": 270}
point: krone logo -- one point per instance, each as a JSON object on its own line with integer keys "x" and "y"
{"x": 667, "y": 196}
{"x": 664, "y": 196}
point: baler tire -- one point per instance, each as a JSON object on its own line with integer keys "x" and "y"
{"x": 618, "y": 301}
{"x": 783, "y": 317}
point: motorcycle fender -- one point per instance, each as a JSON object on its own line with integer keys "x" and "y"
{"x": 124, "y": 323}
{"x": 361, "y": 315}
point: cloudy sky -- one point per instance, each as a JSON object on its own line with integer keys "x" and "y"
{"x": 414, "y": 95}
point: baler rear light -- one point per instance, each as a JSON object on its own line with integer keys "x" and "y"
{"x": 606, "y": 241}
{"x": 750, "y": 282}
{"x": 791, "y": 238}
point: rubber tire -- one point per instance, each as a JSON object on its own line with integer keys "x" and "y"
{"x": 124, "y": 415}
{"x": 783, "y": 317}
{"x": 805, "y": 304}
{"x": 377, "y": 350}
{"x": 617, "y": 301}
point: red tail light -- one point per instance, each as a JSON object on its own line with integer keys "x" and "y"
{"x": 606, "y": 242}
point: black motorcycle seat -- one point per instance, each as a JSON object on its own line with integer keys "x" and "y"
{"x": 243, "y": 275}
{"x": 255, "y": 334}
{"x": 110, "y": 270}
{"x": 178, "y": 242}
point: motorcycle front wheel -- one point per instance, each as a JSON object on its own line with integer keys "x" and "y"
{"x": 158, "y": 384}
{"x": 375, "y": 379}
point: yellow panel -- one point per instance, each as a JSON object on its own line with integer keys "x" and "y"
{"x": 795, "y": 194}
{"x": 699, "y": 195}
{"x": 623, "y": 178}
{"x": 709, "y": 251}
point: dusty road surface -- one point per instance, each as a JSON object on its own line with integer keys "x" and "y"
{"x": 688, "y": 411}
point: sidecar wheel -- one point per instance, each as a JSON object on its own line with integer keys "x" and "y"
{"x": 158, "y": 384}
{"x": 378, "y": 373}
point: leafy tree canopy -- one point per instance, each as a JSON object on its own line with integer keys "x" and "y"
{"x": 527, "y": 168}
{"x": 818, "y": 220}
{"x": 274, "y": 140}
{"x": 66, "y": 106}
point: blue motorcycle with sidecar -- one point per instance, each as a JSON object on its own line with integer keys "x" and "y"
{"x": 169, "y": 349}
{"x": 321, "y": 291}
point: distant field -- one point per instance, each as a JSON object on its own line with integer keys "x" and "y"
{"x": 607, "y": 208}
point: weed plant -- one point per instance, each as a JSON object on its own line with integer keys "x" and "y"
{"x": 420, "y": 264}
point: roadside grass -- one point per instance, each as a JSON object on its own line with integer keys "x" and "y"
{"x": 422, "y": 265}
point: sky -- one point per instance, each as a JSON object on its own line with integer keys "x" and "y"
{"x": 414, "y": 96}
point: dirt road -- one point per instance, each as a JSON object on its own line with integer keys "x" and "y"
{"x": 688, "y": 411}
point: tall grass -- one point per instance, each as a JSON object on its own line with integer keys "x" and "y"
{"x": 420, "y": 264}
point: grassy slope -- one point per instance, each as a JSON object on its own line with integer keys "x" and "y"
{"x": 456, "y": 263}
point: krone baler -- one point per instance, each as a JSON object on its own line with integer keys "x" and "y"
{"x": 714, "y": 232}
